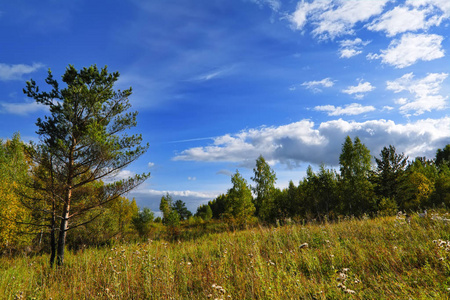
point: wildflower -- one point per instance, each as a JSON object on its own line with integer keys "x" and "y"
{"x": 280, "y": 252}
{"x": 209, "y": 296}
{"x": 349, "y": 291}
{"x": 342, "y": 277}
{"x": 304, "y": 245}
{"x": 441, "y": 258}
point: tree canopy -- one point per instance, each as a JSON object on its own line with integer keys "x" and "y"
{"x": 83, "y": 141}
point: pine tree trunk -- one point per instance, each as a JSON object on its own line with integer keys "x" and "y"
{"x": 63, "y": 233}
{"x": 53, "y": 240}
{"x": 66, "y": 209}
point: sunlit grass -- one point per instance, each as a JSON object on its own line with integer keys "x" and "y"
{"x": 384, "y": 258}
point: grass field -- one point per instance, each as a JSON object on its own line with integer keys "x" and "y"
{"x": 383, "y": 258}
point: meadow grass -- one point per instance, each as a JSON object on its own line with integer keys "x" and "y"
{"x": 382, "y": 258}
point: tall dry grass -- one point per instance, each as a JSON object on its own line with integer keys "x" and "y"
{"x": 383, "y": 258}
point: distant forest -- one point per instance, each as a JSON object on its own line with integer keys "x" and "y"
{"x": 363, "y": 185}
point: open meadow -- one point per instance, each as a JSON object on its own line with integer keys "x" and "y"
{"x": 382, "y": 258}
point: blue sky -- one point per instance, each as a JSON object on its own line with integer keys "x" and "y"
{"x": 217, "y": 83}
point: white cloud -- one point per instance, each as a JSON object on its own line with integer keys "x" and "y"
{"x": 410, "y": 49}
{"x": 425, "y": 92}
{"x": 119, "y": 175}
{"x": 305, "y": 9}
{"x": 402, "y": 19}
{"x": 151, "y": 164}
{"x": 347, "y": 53}
{"x": 350, "y": 48}
{"x": 334, "y": 18}
{"x": 303, "y": 142}
{"x": 22, "y": 109}
{"x": 15, "y": 72}
{"x": 359, "y": 90}
{"x": 316, "y": 85}
{"x": 190, "y": 178}
{"x": 443, "y": 5}
{"x": 351, "y": 109}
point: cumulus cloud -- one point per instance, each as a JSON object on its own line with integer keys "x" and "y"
{"x": 304, "y": 142}
{"x": 316, "y": 86}
{"x": 15, "y": 72}
{"x": 410, "y": 49}
{"x": 151, "y": 164}
{"x": 359, "y": 90}
{"x": 350, "y": 48}
{"x": 425, "y": 92}
{"x": 351, "y": 109}
{"x": 402, "y": 19}
{"x": 331, "y": 19}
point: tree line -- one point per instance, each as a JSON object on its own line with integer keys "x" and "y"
{"x": 362, "y": 185}
{"x": 64, "y": 183}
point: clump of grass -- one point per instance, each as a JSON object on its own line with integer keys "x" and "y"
{"x": 383, "y": 258}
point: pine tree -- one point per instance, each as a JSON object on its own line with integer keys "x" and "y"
{"x": 83, "y": 141}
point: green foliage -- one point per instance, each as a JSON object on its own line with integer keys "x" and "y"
{"x": 239, "y": 206}
{"x": 443, "y": 156}
{"x": 104, "y": 224}
{"x": 414, "y": 191}
{"x": 142, "y": 221}
{"x": 441, "y": 193}
{"x": 387, "y": 207}
{"x": 84, "y": 140}
{"x": 218, "y": 206}
{"x": 204, "y": 211}
{"x": 180, "y": 207}
{"x": 264, "y": 190}
{"x": 13, "y": 172}
{"x": 356, "y": 190}
{"x": 165, "y": 206}
{"x": 389, "y": 171}
{"x": 320, "y": 192}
